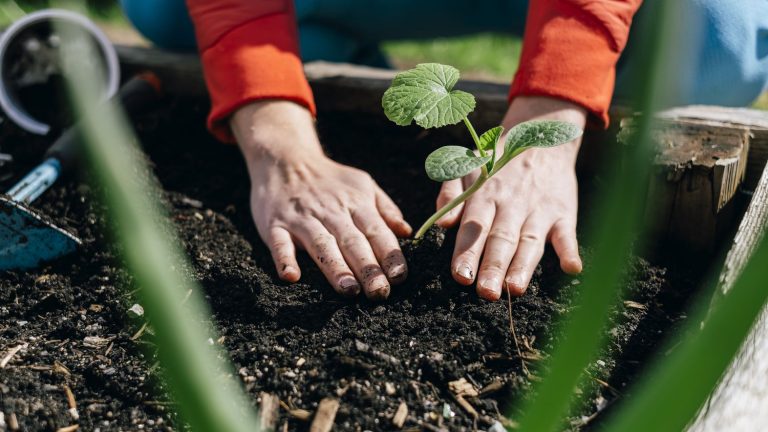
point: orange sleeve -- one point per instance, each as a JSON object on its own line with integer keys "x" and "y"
{"x": 249, "y": 50}
{"x": 570, "y": 50}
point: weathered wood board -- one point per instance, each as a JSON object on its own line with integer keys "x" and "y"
{"x": 753, "y": 121}
{"x": 740, "y": 401}
{"x": 698, "y": 170}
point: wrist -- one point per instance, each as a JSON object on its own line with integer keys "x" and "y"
{"x": 524, "y": 108}
{"x": 275, "y": 132}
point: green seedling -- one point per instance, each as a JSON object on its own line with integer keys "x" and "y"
{"x": 425, "y": 95}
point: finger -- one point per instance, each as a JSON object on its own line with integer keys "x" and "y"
{"x": 392, "y": 214}
{"x": 563, "y": 238}
{"x": 470, "y": 240}
{"x": 360, "y": 257}
{"x": 499, "y": 249}
{"x": 284, "y": 254}
{"x": 324, "y": 250}
{"x": 384, "y": 244}
{"x": 529, "y": 252}
{"x": 450, "y": 190}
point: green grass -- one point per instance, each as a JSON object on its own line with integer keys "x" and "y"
{"x": 488, "y": 56}
{"x": 100, "y": 11}
{"x": 761, "y": 102}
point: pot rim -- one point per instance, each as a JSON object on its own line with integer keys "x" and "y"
{"x": 19, "y": 115}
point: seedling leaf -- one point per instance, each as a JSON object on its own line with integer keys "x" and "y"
{"x": 537, "y": 133}
{"x": 452, "y": 162}
{"x": 425, "y": 95}
{"x": 489, "y": 141}
{"x": 490, "y": 137}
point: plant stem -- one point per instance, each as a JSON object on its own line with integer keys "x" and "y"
{"x": 475, "y": 138}
{"x": 451, "y": 205}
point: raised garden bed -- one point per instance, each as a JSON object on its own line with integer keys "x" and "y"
{"x": 301, "y": 342}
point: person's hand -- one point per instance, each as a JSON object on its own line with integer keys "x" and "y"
{"x": 533, "y": 199}
{"x": 300, "y": 197}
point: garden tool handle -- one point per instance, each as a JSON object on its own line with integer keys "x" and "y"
{"x": 138, "y": 94}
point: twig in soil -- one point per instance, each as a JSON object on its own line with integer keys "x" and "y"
{"x": 466, "y": 406}
{"x": 140, "y": 332}
{"x": 461, "y": 387}
{"x": 528, "y": 343}
{"x": 60, "y": 368}
{"x": 514, "y": 334}
{"x": 365, "y": 348}
{"x": 326, "y": 413}
{"x": 472, "y": 380}
{"x": 492, "y": 387}
{"x": 71, "y": 403}
{"x": 608, "y": 386}
{"x": 11, "y": 352}
{"x": 532, "y": 356}
{"x": 72, "y": 428}
{"x": 96, "y": 342}
{"x": 37, "y": 368}
{"x": 268, "y": 411}
{"x": 300, "y": 414}
{"x": 398, "y": 420}
{"x": 635, "y": 305}
{"x": 433, "y": 428}
{"x": 159, "y": 403}
{"x": 415, "y": 387}
{"x": 13, "y": 422}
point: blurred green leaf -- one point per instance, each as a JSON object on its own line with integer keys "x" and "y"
{"x": 614, "y": 224}
{"x": 199, "y": 377}
{"x": 678, "y": 384}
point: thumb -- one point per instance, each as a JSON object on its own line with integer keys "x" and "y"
{"x": 450, "y": 190}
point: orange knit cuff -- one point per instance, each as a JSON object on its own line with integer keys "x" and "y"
{"x": 256, "y": 60}
{"x": 567, "y": 55}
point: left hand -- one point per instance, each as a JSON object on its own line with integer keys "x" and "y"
{"x": 532, "y": 200}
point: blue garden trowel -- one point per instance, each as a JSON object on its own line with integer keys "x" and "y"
{"x": 27, "y": 238}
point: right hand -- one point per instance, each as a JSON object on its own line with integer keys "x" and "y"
{"x": 300, "y": 197}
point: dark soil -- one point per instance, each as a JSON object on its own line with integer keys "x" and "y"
{"x": 300, "y": 341}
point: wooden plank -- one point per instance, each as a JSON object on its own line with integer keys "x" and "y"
{"x": 698, "y": 169}
{"x": 755, "y": 121}
{"x": 740, "y": 400}
{"x": 336, "y": 86}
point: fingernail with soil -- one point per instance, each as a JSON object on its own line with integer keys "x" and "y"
{"x": 397, "y": 273}
{"x": 349, "y": 286}
{"x": 515, "y": 285}
{"x": 378, "y": 290}
{"x": 290, "y": 272}
{"x": 491, "y": 287}
{"x": 464, "y": 271}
